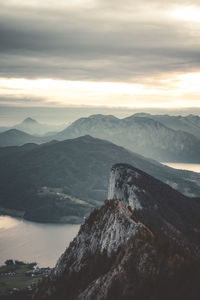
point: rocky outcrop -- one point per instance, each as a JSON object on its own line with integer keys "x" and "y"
{"x": 138, "y": 245}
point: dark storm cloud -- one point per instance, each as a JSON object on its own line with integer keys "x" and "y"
{"x": 102, "y": 43}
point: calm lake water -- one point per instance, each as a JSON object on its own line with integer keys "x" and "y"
{"x": 29, "y": 241}
{"x": 190, "y": 167}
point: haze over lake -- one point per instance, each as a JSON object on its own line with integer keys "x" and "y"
{"x": 29, "y": 241}
{"x": 181, "y": 166}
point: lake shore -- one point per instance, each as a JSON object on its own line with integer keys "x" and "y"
{"x": 31, "y": 241}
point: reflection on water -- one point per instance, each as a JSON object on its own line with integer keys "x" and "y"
{"x": 7, "y": 222}
{"x": 29, "y": 241}
{"x": 189, "y": 167}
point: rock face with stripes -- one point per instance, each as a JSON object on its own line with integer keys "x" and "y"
{"x": 143, "y": 243}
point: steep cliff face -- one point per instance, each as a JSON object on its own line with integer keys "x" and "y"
{"x": 157, "y": 205}
{"x": 138, "y": 245}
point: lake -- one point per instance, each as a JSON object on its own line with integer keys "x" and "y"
{"x": 30, "y": 241}
{"x": 189, "y": 167}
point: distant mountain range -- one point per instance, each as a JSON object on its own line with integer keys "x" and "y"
{"x": 161, "y": 137}
{"x": 190, "y": 123}
{"x": 142, "y": 244}
{"x": 142, "y": 134}
{"x": 63, "y": 181}
{"x": 33, "y": 127}
{"x": 14, "y": 137}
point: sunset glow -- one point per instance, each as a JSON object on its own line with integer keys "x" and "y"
{"x": 62, "y": 92}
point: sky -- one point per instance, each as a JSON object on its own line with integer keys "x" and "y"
{"x": 100, "y": 53}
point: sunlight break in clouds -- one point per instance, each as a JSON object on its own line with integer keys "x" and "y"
{"x": 188, "y": 13}
{"x": 173, "y": 92}
{"x": 189, "y": 82}
{"x": 70, "y": 92}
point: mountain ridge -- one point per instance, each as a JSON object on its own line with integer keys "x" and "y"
{"x": 117, "y": 256}
{"x": 41, "y": 180}
{"x": 189, "y": 123}
{"x": 29, "y": 120}
{"x": 15, "y": 137}
{"x": 161, "y": 137}
{"x": 35, "y": 128}
{"x": 140, "y": 134}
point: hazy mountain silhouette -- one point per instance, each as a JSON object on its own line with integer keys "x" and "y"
{"x": 141, "y": 134}
{"x": 189, "y": 123}
{"x": 33, "y": 127}
{"x": 15, "y": 137}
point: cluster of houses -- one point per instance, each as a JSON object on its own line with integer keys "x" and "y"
{"x": 38, "y": 272}
{"x": 9, "y": 274}
{"x": 43, "y": 272}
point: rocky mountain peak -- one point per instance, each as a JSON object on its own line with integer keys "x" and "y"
{"x": 103, "y": 232}
{"x": 158, "y": 206}
{"x": 29, "y": 121}
{"x": 130, "y": 248}
{"x": 103, "y": 117}
{"x": 123, "y": 185}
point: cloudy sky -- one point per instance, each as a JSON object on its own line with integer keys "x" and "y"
{"x": 116, "y": 53}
